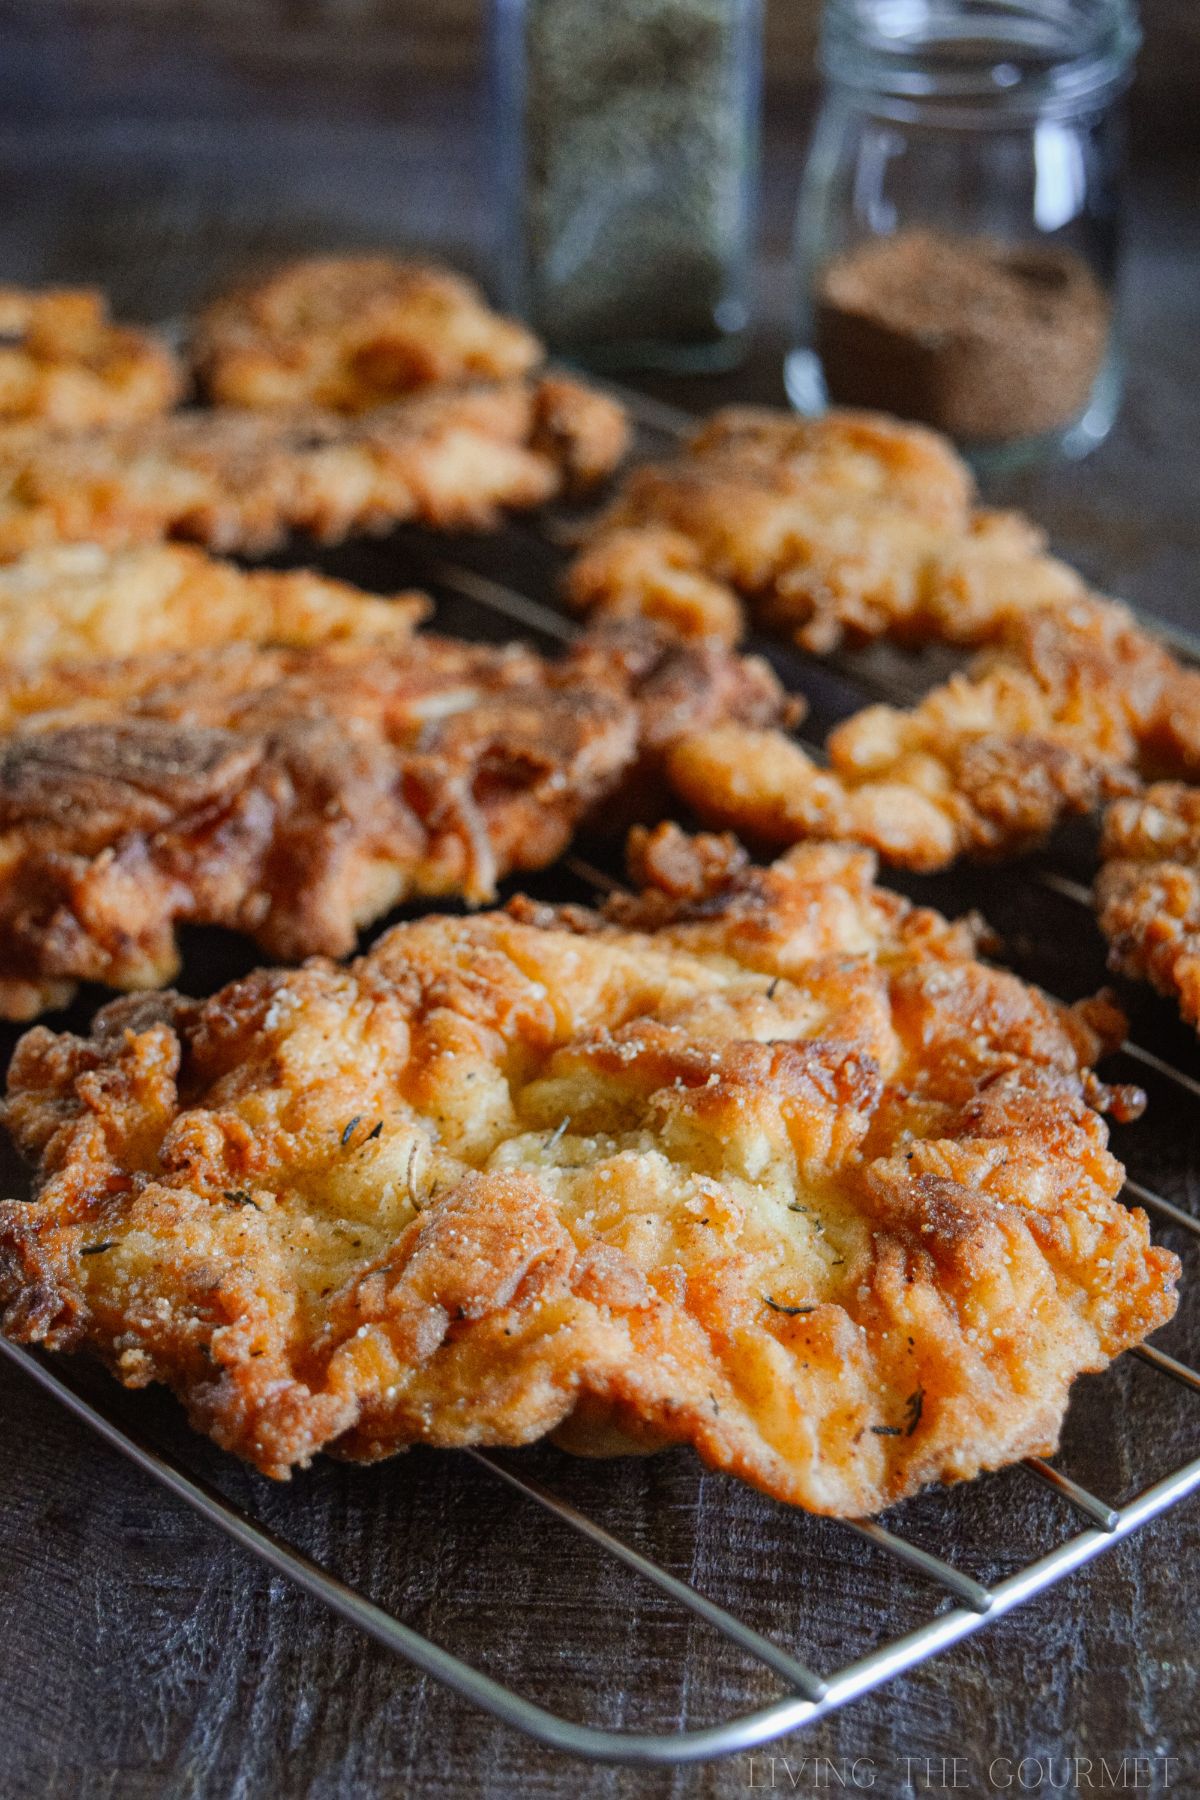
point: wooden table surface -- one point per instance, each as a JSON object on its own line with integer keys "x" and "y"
{"x": 142, "y": 1654}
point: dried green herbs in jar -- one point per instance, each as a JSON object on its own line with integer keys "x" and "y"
{"x": 630, "y": 139}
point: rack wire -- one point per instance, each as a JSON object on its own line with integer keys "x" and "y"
{"x": 965, "y": 1605}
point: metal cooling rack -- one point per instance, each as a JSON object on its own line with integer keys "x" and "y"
{"x": 809, "y": 1695}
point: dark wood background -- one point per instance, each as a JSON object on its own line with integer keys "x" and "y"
{"x": 156, "y": 145}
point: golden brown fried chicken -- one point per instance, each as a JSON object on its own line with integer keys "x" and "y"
{"x": 766, "y": 1163}
{"x": 79, "y": 603}
{"x": 351, "y": 332}
{"x": 1148, "y": 890}
{"x": 295, "y": 795}
{"x": 851, "y": 526}
{"x": 856, "y": 526}
{"x": 245, "y": 480}
{"x": 1068, "y": 710}
{"x": 63, "y": 363}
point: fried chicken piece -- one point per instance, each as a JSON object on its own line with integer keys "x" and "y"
{"x": 765, "y": 1163}
{"x": 851, "y": 526}
{"x": 351, "y": 332}
{"x": 854, "y": 526}
{"x": 63, "y": 363}
{"x": 245, "y": 480}
{"x": 1148, "y": 890}
{"x": 79, "y": 602}
{"x": 1069, "y": 710}
{"x": 295, "y": 795}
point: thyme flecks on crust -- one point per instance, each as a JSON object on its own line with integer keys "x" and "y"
{"x": 579, "y": 1214}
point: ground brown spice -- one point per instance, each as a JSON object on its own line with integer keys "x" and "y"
{"x": 986, "y": 341}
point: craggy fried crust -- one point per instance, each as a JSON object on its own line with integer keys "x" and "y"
{"x": 1070, "y": 709}
{"x": 1148, "y": 890}
{"x": 297, "y": 794}
{"x": 245, "y": 480}
{"x": 351, "y": 332}
{"x": 856, "y": 526}
{"x": 63, "y": 363}
{"x": 79, "y": 603}
{"x": 849, "y": 526}
{"x": 767, "y": 1164}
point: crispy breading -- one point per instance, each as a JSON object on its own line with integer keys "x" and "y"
{"x": 245, "y": 480}
{"x": 1148, "y": 890}
{"x": 63, "y": 362}
{"x": 295, "y": 795}
{"x": 854, "y": 526}
{"x": 351, "y": 332}
{"x": 80, "y": 602}
{"x": 766, "y": 1163}
{"x": 1070, "y": 709}
{"x": 851, "y": 526}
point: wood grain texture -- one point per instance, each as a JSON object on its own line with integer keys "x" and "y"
{"x": 276, "y": 34}
{"x": 143, "y": 1655}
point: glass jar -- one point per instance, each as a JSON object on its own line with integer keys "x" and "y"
{"x": 629, "y": 147}
{"x": 957, "y": 231}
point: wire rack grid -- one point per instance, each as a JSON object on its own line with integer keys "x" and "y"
{"x": 965, "y": 1605}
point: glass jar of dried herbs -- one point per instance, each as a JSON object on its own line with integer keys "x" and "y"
{"x": 628, "y": 132}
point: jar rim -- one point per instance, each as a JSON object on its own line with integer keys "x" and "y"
{"x": 949, "y": 58}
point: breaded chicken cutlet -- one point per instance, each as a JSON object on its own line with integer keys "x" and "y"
{"x": 63, "y": 363}
{"x": 764, "y": 1161}
{"x": 296, "y": 795}
{"x": 80, "y": 603}
{"x": 1148, "y": 890}
{"x": 851, "y": 527}
{"x": 351, "y": 332}
{"x": 237, "y": 480}
{"x": 1072, "y": 707}
{"x": 848, "y": 527}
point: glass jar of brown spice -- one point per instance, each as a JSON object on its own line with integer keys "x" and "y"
{"x": 957, "y": 232}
